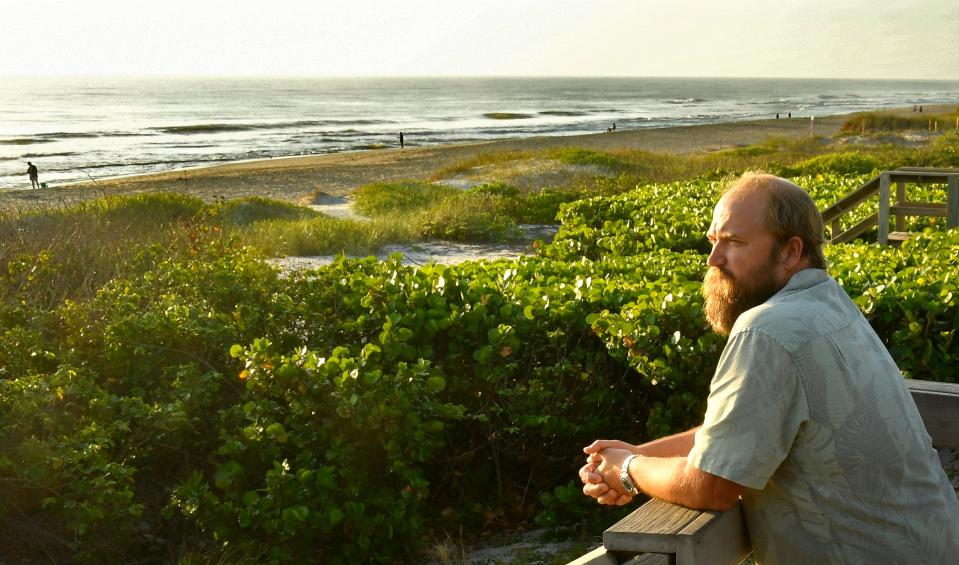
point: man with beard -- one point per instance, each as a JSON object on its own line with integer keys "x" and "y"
{"x": 808, "y": 419}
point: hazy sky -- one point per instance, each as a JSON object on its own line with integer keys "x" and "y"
{"x": 743, "y": 38}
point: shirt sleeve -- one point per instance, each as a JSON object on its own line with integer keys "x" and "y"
{"x": 754, "y": 410}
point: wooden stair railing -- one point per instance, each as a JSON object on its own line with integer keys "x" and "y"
{"x": 660, "y": 533}
{"x": 882, "y": 185}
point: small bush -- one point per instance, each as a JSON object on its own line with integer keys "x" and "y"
{"x": 470, "y": 217}
{"x": 495, "y": 188}
{"x": 380, "y": 199}
{"x": 845, "y": 163}
{"x": 323, "y": 235}
{"x": 586, "y": 157}
{"x": 245, "y": 211}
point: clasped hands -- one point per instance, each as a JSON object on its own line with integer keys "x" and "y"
{"x": 600, "y": 474}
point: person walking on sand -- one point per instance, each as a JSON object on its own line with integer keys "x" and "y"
{"x": 34, "y": 175}
{"x": 401, "y": 140}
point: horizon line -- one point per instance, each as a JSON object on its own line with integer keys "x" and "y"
{"x": 288, "y": 76}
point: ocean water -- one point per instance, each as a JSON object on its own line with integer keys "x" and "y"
{"x": 92, "y": 128}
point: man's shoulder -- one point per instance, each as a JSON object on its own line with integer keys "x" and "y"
{"x": 801, "y": 312}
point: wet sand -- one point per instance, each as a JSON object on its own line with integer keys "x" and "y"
{"x": 294, "y": 179}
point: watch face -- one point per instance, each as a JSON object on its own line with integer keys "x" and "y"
{"x": 627, "y": 484}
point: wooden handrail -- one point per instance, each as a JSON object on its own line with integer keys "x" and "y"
{"x": 663, "y": 533}
{"x": 882, "y": 185}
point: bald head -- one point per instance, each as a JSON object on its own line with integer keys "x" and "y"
{"x": 790, "y": 212}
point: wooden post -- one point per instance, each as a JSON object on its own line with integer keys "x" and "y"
{"x": 952, "y": 202}
{"x": 900, "y": 198}
{"x": 884, "y": 208}
{"x": 836, "y": 229}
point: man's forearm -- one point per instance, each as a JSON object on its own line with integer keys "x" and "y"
{"x": 674, "y": 480}
{"x": 676, "y": 445}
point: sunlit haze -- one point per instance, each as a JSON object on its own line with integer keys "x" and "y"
{"x": 735, "y": 38}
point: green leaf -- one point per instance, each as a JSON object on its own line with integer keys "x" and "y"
{"x": 436, "y": 384}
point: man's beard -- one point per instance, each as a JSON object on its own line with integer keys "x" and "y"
{"x": 727, "y": 298}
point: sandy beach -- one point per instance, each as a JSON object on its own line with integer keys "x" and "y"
{"x": 294, "y": 179}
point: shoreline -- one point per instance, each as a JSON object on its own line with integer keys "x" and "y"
{"x": 294, "y": 178}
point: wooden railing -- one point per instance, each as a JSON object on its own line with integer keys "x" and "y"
{"x": 902, "y": 208}
{"x": 662, "y": 533}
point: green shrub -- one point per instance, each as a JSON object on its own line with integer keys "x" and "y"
{"x": 245, "y": 211}
{"x": 657, "y": 216}
{"x": 469, "y": 217}
{"x": 586, "y": 157}
{"x": 323, "y": 235}
{"x": 495, "y": 189}
{"x": 381, "y": 199}
{"x": 846, "y": 163}
{"x": 543, "y": 207}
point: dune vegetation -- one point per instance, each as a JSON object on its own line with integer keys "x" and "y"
{"x": 166, "y": 391}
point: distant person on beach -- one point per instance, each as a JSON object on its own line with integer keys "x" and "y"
{"x": 789, "y": 115}
{"x": 402, "y": 142}
{"x": 34, "y": 175}
{"x": 809, "y": 423}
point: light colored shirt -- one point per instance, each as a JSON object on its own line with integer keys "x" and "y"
{"x": 808, "y": 411}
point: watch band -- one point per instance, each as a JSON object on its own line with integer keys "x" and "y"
{"x": 624, "y": 477}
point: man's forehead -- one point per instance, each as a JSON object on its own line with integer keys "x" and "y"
{"x": 738, "y": 212}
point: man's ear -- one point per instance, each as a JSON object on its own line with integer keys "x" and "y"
{"x": 790, "y": 254}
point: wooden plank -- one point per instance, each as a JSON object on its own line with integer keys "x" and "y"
{"x": 884, "y": 208}
{"x": 932, "y": 170}
{"x": 652, "y": 527}
{"x": 896, "y": 237}
{"x": 924, "y": 176}
{"x": 850, "y": 201}
{"x": 933, "y": 386}
{"x": 918, "y": 209}
{"x": 652, "y": 559}
{"x": 857, "y": 230}
{"x": 695, "y": 536}
{"x": 720, "y": 538}
{"x": 598, "y": 556}
{"x": 952, "y": 202}
{"x": 900, "y": 198}
{"x": 938, "y": 404}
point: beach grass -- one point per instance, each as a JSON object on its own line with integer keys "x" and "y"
{"x": 70, "y": 251}
{"x": 886, "y": 122}
{"x": 252, "y": 209}
{"x": 379, "y": 199}
{"x": 323, "y": 235}
{"x": 470, "y": 217}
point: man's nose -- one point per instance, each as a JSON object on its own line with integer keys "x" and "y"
{"x": 716, "y": 258}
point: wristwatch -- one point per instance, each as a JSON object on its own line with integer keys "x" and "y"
{"x": 624, "y": 475}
